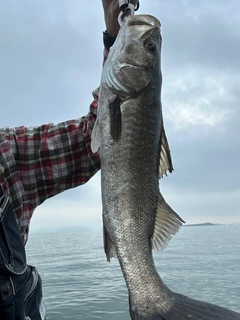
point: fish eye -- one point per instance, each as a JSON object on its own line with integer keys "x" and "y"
{"x": 150, "y": 45}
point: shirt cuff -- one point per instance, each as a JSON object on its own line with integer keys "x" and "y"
{"x": 108, "y": 40}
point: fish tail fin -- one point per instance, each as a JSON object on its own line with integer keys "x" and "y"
{"x": 186, "y": 308}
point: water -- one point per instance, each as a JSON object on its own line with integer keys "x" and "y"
{"x": 78, "y": 283}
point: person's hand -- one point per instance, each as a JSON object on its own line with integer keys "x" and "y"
{"x": 111, "y": 12}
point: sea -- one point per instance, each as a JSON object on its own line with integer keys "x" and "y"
{"x": 202, "y": 262}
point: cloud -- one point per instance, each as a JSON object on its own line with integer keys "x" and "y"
{"x": 76, "y": 207}
{"x": 51, "y": 59}
{"x": 197, "y": 97}
{"x": 195, "y": 207}
{"x": 201, "y": 34}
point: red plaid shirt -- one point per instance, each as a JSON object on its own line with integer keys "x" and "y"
{"x": 37, "y": 163}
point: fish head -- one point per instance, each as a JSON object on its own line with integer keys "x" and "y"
{"x": 134, "y": 59}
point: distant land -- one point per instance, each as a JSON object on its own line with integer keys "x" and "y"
{"x": 201, "y": 224}
{"x": 66, "y": 229}
{"x": 81, "y": 228}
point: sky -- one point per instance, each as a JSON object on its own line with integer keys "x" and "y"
{"x": 51, "y": 61}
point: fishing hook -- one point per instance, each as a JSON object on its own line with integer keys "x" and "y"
{"x": 125, "y": 5}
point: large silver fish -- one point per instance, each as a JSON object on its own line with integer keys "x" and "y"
{"x": 134, "y": 155}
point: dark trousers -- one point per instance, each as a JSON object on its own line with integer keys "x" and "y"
{"x": 20, "y": 284}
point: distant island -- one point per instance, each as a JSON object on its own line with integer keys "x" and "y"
{"x": 67, "y": 229}
{"x": 201, "y": 224}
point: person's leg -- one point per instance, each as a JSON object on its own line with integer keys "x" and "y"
{"x": 20, "y": 284}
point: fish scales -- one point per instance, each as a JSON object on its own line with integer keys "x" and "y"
{"x": 130, "y": 163}
{"x": 129, "y": 200}
{"x": 134, "y": 154}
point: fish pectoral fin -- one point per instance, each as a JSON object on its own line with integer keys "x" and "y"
{"x": 167, "y": 223}
{"x": 115, "y": 119}
{"x": 109, "y": 246}
{"x": 165, "y": 156}
{"x": 95, "y": 137}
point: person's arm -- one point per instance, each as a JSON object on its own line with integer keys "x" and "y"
{"x": 53, "y": 158}
{"x": 40, "y": 162}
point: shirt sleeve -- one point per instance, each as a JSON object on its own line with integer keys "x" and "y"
{"x": 53, "y": 158}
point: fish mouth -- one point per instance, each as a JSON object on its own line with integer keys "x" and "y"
{"x": 143, "y": 19}
{"x": 134, "y": 53}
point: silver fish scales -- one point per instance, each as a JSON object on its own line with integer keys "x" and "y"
{"x": 134, "y": 154}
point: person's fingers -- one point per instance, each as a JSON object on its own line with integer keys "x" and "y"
{"x": 111, "y": 12}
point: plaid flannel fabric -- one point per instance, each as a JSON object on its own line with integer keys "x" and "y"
{"x": 39, "y": 162}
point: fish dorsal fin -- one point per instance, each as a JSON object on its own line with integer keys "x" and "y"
{"x": 109, "y": 246}
{"x": 167, "y": 223}
{"x": 165, "y": 156}
{"x": 95, "y": 137}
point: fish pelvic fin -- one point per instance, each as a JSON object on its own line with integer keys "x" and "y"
{"x": 115, "y": 119}
{"x": 109, "y": 246}
{"x": 167, "y": 223}
{"x": 165, "y": 156}
{"x": 95, "y": 137}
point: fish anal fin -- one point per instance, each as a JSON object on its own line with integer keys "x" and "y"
{"x": 115, "y": 119}
{"x": 109, "y": 246}
{"x": 165, "y": 156}
{"x": 167, "y": 223}
{"x": 95, "y": 137}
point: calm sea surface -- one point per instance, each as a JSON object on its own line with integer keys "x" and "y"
{"x": 78, "y": 283}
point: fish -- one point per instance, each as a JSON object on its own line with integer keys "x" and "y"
{"x": 130, "y": 137}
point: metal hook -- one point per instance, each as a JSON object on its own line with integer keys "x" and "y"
{"x": 125, "y": 5}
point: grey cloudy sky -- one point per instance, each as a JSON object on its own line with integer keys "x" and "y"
{"x": 51, "y": 59}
